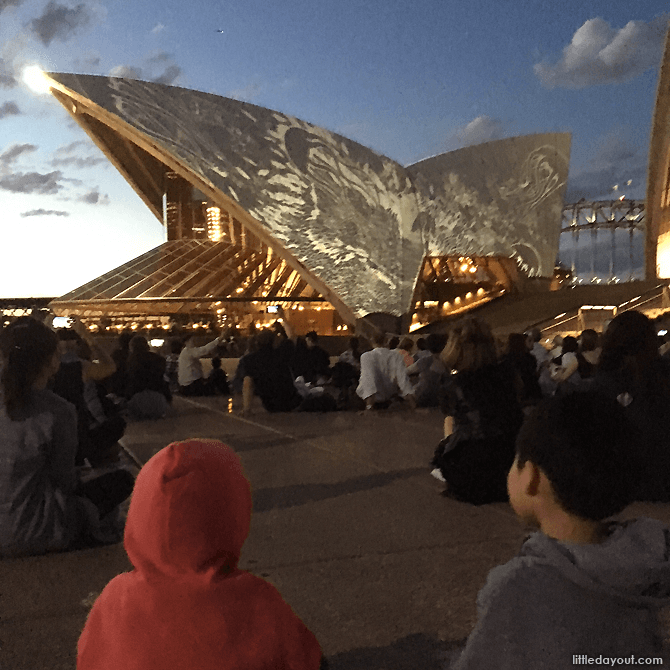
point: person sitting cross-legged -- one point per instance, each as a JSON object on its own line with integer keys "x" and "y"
{"x": 267, "y": 374}
{"x": 148, "y": 392}
{"x": 218, "y": 377}
{"x": 582, "y": 584}
{"x": 44, "y": 507}
{"x": 383, "y": 375}
{"x": 83, "y": 360}
{"x": 192, "y": 380}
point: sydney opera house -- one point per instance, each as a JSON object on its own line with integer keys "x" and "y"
{"x": 262, "y": 209}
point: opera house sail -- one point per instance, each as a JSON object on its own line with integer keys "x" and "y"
{"x": 262, "y": 208}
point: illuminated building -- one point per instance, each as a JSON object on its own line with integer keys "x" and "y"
{"x": 261, "y": 208}
{"x": 657, "y": 250}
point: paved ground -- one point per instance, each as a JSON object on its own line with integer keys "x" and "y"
{"x": 347, "y": 524}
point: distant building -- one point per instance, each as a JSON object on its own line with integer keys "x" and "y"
{"x": 261, "y": 209}
{"x": 657, "y": 251}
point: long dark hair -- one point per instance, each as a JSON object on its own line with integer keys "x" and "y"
{"x": 630, "y": 350}
{"x": 26, "y": 346}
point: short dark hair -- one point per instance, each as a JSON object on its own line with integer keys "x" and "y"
{"x": 516, "y": 343}
{"x": 265, "y": 339}
{"x": 585, "y": 445}
{"x": 569, "y": 345}
{"x": 589, "y": 339}
{"x": 312, "y": 336}
{"x": 435, "y": 342}
{"x": 379, "y": 338}
{"x": 535, "y": 334}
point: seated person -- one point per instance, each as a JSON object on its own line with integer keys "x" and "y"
{"x": 431, "y": 371}
{"x": 218, "y": 378}
{"x": 116, "y": 382}
{"x": 566, "y": 366}
{"x": 581, "y": 585}
{"x": 352, "y": 355}
{"x": 421, "y": 349}
{"x": 268, "y": 374}
{"x": 98, "y": 440}
{"x": 187, "y": 604}
{"x": 534, "y": 345}
{"x": 238, "y": 379}
{"x": 147, "y": 390}
{"x": 172, "y": 365}
{"x": 192, "y": 380}
{"x": 318, "y": 358}
{"x": 43, "y": 506}
{"x": 383, "y": 375}
{"x": 405, "y": 348}
{"x": 346, "y": 372}
{"x": 523, "y": 366}
{"x": 482, "y": 417}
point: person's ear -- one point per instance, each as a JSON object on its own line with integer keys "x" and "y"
{"x": 532, "y": 479}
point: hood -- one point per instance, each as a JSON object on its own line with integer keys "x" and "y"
{"x": 631, "y": 565}
{"x": 190, "y": 512}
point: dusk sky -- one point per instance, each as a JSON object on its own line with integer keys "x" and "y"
{"x": 409, "y": 80}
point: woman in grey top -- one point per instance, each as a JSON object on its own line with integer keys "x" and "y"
{"x": 43, "y": 506}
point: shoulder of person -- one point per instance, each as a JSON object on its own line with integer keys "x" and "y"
{"x": 49, "y": 400}
{"x": 511, "y": 581}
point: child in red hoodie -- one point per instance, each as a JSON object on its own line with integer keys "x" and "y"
{"x": 186, "y": 605}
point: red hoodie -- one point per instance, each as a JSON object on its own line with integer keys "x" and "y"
{"x": 186, "y": 605}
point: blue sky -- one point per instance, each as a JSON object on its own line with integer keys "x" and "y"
{"x": 409, "y": 80}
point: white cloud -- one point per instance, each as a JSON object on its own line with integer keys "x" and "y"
{"x": 481, "y": 129}
{"x": 126, "y": 71}
{"x": 9, "y": 156}
{"x": 70, "y": 155}
{"x": 159, "y": 68}
{"x": 4, "y": 4}
{"x": 94, "y": 197}
{"x": 246, "y": 94}
{"x": 44, "y": 212}
{"x": 9, "y": 109}
{"x": 158, "y": 28}
{"x": 88, "y": 61}
{"x": 599, "y": 54}
{"x": 169, "y": 75}
{"x": 32, "y": 182}
{"x": 60, "y": 22}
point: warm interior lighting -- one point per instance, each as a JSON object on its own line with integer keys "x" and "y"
{"x": 214, "y": 230}
{"x": 663, "y": 256}
{"x": 36, "y": 80}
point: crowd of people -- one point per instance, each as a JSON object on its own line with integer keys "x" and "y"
{"x": 570, "y": 435}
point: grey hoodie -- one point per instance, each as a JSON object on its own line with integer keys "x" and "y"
{"x": 555, "y": 601}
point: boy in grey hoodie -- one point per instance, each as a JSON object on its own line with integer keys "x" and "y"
{"x": 581, "y": 587}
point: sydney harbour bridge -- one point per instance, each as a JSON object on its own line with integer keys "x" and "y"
{"x": 603, "y": 241}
